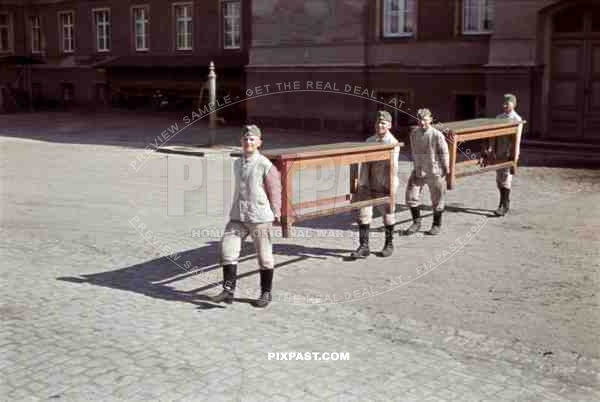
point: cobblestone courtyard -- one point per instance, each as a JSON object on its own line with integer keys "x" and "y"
{"x": 95, "y": 308}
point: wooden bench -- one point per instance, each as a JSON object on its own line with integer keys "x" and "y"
{"x": 291, "y": 160}
{"x": 479, "y": 129}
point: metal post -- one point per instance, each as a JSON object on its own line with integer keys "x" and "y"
{"x": 212, "y": 102}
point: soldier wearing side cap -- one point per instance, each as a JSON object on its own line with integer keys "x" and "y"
{"x": 431, "y": 166}
{"x": 374, "y": 181}
{"x": 500, "y": 148}
{"x": 256, "y": 205}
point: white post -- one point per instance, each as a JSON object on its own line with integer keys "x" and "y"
{"x": 212, "y": 100}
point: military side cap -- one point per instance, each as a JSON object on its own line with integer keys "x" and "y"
{"x": 251, "y": 130}
{"x": 510, "y": 98}
{"x": 383, "y": 115}
{"x": 423, "y": 113}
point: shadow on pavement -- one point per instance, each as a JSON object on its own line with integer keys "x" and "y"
{"x": 156, "y": 278}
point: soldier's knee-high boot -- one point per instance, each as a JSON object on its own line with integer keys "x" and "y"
{"x": 416, "y": 225}
{"x": 363, "y": 237}
{"x": 504, "y": 205}
{"x": 229, "y": 281}
{"x": 266, "y": 283}
{"x": 388, "y": 248}
{"x": 436, "y": 228}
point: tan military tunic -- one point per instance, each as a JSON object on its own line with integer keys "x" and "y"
{"x": 374, "y": 181}
{"x": 503, "y": 150}
{"x": 257, "y": 201}
{"x": 431, "y": 165}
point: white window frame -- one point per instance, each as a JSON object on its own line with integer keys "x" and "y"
{"x": 66, "y": 31}
{"x": 479, "y": 9}
{"x": 106, "y": 29}
{"x": 235, "y": 34}
{"x": 8, "y": 27}
{"x": 144, "y": 24}
{"x": 406, "y": 15}
{"x": 35, "y": 33}
{"x": 187, "y": 35}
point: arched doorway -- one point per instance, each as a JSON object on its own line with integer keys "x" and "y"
{"x": 575, "y": 74}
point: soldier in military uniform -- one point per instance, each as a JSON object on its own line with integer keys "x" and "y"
{"x": 374, "y": 181}
{"x": 256, "y": 205}
{"x": 431, "y": 166}
{"x": 500, "y": 148}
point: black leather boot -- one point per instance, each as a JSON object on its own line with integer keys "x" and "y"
{"x": 266, "y": 282}
{"x": 504, "y": 205}
{"x": 416, "y": 225}
{"x": 229, "y": 281}
{"x": 388, "y": 248}
{"x": 363, "y": 237}
{"x": 436, "y": 228}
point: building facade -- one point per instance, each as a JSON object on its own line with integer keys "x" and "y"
{"x": 456, "y": 57}
{"x": 111, "y": 52}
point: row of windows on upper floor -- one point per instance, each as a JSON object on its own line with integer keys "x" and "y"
{"x": 140, "y": 20}
{"x": 398, "y": 21}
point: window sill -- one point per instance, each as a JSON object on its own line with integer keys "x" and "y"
{"x": 477, "y": 33}
{"x": 142, "y": 50}
{"x": 398, "y": 36}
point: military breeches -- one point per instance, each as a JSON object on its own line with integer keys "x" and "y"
{"x": 504, "y": 178}
{"x": 437, "y": 189}
{"x": 236, "y": 232}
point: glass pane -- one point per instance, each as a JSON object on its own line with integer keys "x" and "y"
{"x": 394, "y": 27}
{"x": 595, "y": 12}
{"x": 4, "y": 39}
{"x": 488, "y": 20}
{"x": 3, "y": 19}
{"x": 570, "y": 20}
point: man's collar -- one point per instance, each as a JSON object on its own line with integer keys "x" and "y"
{"x": 252, "y": 157}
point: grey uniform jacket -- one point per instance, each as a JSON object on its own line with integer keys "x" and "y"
{"x": 374, "y": 176}
{"x": 430, "y": 152}
{"x": 504, "y": 144}
{"x": 257, "y": 196}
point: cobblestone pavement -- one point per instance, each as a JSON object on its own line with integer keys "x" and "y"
{"x": 93, "y": 310}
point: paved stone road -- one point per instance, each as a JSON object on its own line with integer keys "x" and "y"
{"x": 92, "y": 310}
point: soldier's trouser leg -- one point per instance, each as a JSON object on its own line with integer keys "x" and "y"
{"x": 504, "y": 183}
{"x": 414, "y": 189}
{"x": 365, "y": 215}
{"x": 231, "y": 242}
{"x": 503, "y": 178}
{"x": 262, "y": 236}
{"x": 437, "y": 189}
{"x": 263, "y": 241}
